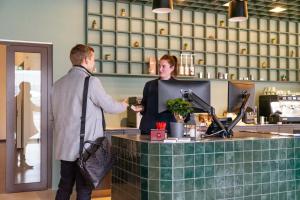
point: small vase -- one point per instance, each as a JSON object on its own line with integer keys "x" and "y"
{"x": 176, "y": 129}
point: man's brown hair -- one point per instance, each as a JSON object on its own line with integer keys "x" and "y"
{"x": 80, "y": 52}
{"x": 172, "y": 60}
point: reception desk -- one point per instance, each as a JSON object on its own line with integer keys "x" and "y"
{"x": 248, "y": 166}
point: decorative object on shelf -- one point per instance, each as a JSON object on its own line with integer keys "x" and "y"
{"x": 200, "y": 75}
{"x": 273, "y": 40}
{"x": 162, "y": 31}
{"x": 243, "y": 51}
{"x": 186, "y": 69}
{"x": 226, "y": 76}
{"x": 181, "y": 67}
{"x": 211, "y": 37}
{"x": 283, "y": 77}
{"x": 220, "y": 75}
{"x": 264, "y": 64}
{"x": 107, "y": 56}
{"x": 192, "y": 67}
{"x": 222, "y": 23}
{"x": 237, "y": 11}
{"x": 162, "y": 6}
{"x": 200, "y": 62}
{"x": 208, "y": 75}
{"x": 292, "y": 53}
{"x": 251, "y": 77}
{"x": 232, "y": 76}
{"x": 185, "y": 46}
{"x": 123, "y": 12}
{"x": 136, "y": 44}
{"x": 152, "y": 65}
{"x": 94, "y": 24}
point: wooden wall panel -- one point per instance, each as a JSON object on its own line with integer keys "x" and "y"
{"x": 2, "y": 92}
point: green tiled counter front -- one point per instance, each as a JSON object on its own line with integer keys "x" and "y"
{"x": 235, "y": 169}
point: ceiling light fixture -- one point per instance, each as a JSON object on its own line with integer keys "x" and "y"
{"x": 162, "y": 6}
{"x": 277, "y": 9}
{"x": 237, "y": 11}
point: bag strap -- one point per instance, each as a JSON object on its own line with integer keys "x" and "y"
{"x": 83, "y": 112}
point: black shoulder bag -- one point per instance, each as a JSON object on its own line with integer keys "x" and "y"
{"x": 96, "y": 158}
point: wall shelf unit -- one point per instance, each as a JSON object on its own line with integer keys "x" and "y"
{"x": 124, "y": 35}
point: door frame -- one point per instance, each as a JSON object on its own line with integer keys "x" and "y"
{"x": 46, "y": 84}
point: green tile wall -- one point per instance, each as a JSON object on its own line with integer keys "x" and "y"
{"x": 265, "y": 169}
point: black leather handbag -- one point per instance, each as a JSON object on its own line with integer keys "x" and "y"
{"x": 96, "y": 158}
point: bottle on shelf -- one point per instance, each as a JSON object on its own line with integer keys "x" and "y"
{"x": 152, "y": 65}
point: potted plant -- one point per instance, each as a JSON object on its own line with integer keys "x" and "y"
{"x": 181, "y": 109}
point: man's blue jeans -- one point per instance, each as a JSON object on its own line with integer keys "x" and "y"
{"x": 69, "y": 173}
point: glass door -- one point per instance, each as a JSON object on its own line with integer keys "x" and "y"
{"x": 27, "y": 130}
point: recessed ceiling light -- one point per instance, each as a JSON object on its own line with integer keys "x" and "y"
{"x": 277, "y": 9}
{"x": 226, "y": 4}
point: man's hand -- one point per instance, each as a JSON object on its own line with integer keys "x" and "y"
{"x": 138, "y": 108}
{"x": 125, "y": 102}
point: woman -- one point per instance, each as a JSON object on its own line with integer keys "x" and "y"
{"x": 149, "y": 108}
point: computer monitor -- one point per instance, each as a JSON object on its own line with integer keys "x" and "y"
{"x": 171, "y": 89}
{"x": 236, "y": 89}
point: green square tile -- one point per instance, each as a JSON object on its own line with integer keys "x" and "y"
{"x": 239, "y": 180}
{"x": 290, "y": 153}
{"x": 274, "y": 144}
{"x": 154, "y": 149}
{"x": 229, "y": 169}
{"x": 282, "y": 143}
{"x": 219, "y": 158}
{"x": 200, "y": 194}
{"x": 265, "y": 155}
{"x": 290, "y": 174}
{"x": 165, "y": 149}
{"x": 210, "y": 194}
{"x": 209, "y": 159}
{"x": 297, "y": 163}
{"x": 289, "y": 143}
{"x": 178, "y": 149}
{"x": 248, "y": 156}
{"x": 199, "y": 159}
{"x": 228, "y": 146}
{"x": 282, "y": 186}
{"x": 274, "y": 165}
{"x": 166, "y": 173}
{"x": 298, "y": 185}
{"x": 274, "y": 155}
{"x": 297, "y": 173}
{"x": 189, "y": 184}
{"x": 178, "y": 195}
{"x": 199, "y": 184}
{"x": 265, "y": 166}
{"x": 209, "y": 171}
{"x": 165, "y": 161}
{"x": 274, "y": 196}
{"x": 256, "y": 155}
{"x": 165, "y": 186}
{"x": 209, "y": 183}
{"x": 265, "y": 197}
{"x": 229, "y": 157}
{"x": 265, "y": 144}
{"x": 199, "y": 147}
{"x": 297, "y": 142}
{"x": 297, "y": 152}
{"x": 178, "y": 173}
{"x": 209, "y": 147}
{"x": 229, "y": 181}
{"x": 189, "y": 160}
{"x": 229, "y": 192}
{"x": 256, "y": 178}
{"x": 153, "y": 173}
{"x": 199, "y": 171}
{"x": 256, "y": 145}
{"x": 144, "y": 148}
{"x": 248, "y": 190}
{"x": 189, "y": 195}
{"x": 248, "y": 145}
{"x": 144, "y": 159}
{"x": 166, "y": 196}
{"x": 178, "y": 185}
{"x": 189, "y": 148}
{"x": 256, "y": 189}
{"x": 219, "y": 170}
{"x": 282, "y": 154}
{"x": 220, "y": 182}
{"x": 219, "y": 147}
{"x": 153, "y": 195}
{"x": 282, "y": 165}
{"x": 265, "y": 177}
{"x": 248, "y": 179}
{"x": 144, "y": 172}
{"x": 220, "y": 193}
{"x": 238, "y": 191}
{"x": 274, "y": 176}
{"x": 257, "y": 167}
{"x": 239, "y": 168}
{"x": 154, "y": 185}
{"x": 144, "y": 195}
{"x": 238, "y": 146}
{"x": 188, "y": 172}
{"x": 144, "y": 184}
{"x": 153, "y": 161}
{"x": 291, "y": 195}
{"x": 178, "y": 161}
{"x": 274, "y": 187}
{"x": 239, "y": 157}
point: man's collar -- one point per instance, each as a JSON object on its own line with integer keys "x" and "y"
{"x": 85, "y": 69}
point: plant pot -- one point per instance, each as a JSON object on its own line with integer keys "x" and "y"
{"x": 176, "y": 129}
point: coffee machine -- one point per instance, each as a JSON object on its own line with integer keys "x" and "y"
{"x": 133, "y": 118}
{"x": 280, "y": 108}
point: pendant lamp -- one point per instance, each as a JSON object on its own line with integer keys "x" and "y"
{"x": 237, "y": 11}
{"x": 162, "y": 6}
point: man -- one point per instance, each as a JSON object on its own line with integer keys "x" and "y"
{"x": 67, "y": 95}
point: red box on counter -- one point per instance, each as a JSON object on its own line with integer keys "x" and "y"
{"x": 157, "y": 134}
